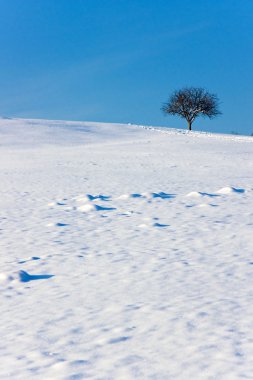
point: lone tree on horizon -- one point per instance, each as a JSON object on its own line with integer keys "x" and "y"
{"x": 190, "y": 103}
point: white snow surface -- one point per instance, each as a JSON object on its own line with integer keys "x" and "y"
{"x": 126, "y": 252}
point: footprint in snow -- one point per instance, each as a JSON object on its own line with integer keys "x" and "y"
{"x": 119, "y": 339}
{"x": 201, "y": 205}
{"x": 51, "y": 204}
{"x": 29, "y": 259}
{"x": 160, "y": 225}
{"x": 126, "y": 213}
{"x": 57, "y": 225}
{"x": 147, "y": 195}
{"x": 157, "y": 225}
{"x": 90, "y": 197}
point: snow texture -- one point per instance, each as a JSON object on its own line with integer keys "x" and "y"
{"x": 126, "y": 252}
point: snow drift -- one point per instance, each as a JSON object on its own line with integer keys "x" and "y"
{"x": 140, "y": 242}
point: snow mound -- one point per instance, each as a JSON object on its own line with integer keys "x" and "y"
{"x": 200, "y": 194}
{"x": 129, "y": 196}
{"x": 143, "y": 225}
{"x": 88, "y": 207}
{"x": 230, "y": 190}
{"x": 5, "y": 279}
{"x": 206, "y": 205}
{"x": 194, "y": 194}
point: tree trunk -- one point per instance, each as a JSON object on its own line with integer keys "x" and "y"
{"x": 189, "y": 125}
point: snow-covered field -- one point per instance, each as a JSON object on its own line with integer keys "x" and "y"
{"x": 126, "y": 253}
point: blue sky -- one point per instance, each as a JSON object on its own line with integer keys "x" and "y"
{"x": 119, "y": 60}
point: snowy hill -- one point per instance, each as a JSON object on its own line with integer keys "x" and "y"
{"x": 126, "y": 252}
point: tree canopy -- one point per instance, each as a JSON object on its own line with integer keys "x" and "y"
{"x": 190, "y": 103}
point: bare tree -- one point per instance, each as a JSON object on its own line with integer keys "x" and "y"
{"x": 191, "y": 102}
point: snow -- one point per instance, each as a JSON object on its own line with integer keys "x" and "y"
{"x": 229, "y": 190}
{"x": 126, "y": 252}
